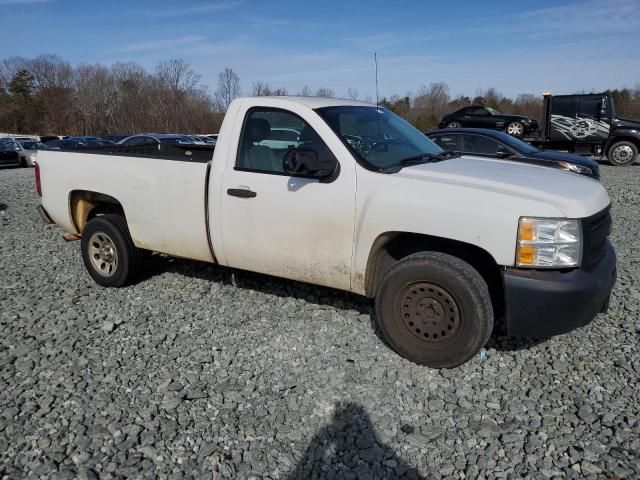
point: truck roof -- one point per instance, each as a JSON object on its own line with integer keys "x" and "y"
{"x": 315, "y": 102}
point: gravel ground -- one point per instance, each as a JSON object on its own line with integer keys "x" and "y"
{"x": 200, "y": 372}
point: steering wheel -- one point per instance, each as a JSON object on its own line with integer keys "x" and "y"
{"x": 361, "y": 144}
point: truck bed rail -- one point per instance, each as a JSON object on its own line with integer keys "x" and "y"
{"x": 163, "y": 151}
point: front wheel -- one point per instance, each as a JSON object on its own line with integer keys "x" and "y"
{"x": 108, "y": 251}
{"x": 622, "y": 154}
{"x": 434, "y": 309}
{"x": 515, "y": 129}
{"x": 454, "y": 125}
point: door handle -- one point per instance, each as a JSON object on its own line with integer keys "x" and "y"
{"x": 241, "y": 192}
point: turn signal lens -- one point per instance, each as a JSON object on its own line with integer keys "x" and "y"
{"x": 525, "y": 230}
{"x": 526, "y": 255}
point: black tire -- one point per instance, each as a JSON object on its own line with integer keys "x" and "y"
{"x": 515, "y": 129}
{"x": 128, "y": 257}
{"x": 622, "y": 153}
{"x": 428, "y": 293}
{"x": 454, "y": 124}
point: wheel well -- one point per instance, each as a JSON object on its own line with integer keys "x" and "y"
{"x": 84, "y": 205}
{"x": 393, "y": 246}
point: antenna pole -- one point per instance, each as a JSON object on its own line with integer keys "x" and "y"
{"x": 375, "y": 60}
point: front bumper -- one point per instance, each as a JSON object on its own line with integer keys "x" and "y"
{"x": 531, "y": 128}
{"x": 543, "y": 303}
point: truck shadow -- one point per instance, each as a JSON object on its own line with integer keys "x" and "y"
{"x": 158, "y": 264}
{"x": 349, "y": 447}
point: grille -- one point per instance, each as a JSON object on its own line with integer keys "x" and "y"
{"x": 595, "y": 230}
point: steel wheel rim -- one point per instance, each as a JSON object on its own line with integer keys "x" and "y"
{"x": 103, "y": 254}
{"x": 623, "y": 154}
{"x": 454, "y": 125}
{"x": 515, "y": 129}
{"x": 429, "y": 312}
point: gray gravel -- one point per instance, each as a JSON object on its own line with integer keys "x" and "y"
{"x": 199, "y": 372}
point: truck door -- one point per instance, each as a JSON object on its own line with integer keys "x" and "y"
{"x": 592, "y": 119}
{"x": 563, "y": 117}
{"x": 273, "y": 223}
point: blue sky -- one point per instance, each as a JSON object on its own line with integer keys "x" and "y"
{"x": 516, "y": 47}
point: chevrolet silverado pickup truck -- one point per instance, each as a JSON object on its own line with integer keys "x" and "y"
{"x": 445, "y": 244}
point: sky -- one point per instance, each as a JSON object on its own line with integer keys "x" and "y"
{"x": 561, "y": 46}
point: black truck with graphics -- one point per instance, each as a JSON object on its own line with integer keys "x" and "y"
{"x": 588, "y": 125}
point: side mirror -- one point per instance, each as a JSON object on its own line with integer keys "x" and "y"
{"x": 306, "y": 162}
{"x": 503, "y": 153}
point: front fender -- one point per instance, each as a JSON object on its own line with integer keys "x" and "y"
{"x": 621, "y": 134}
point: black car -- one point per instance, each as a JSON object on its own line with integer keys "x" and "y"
{"x": 485, "y": 117}
{"x": 489, "y": 143}
{"x": 9, "y": 156}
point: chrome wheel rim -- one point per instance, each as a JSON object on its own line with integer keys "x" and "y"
{"x": 623, "y": 154}
{"x": 514, "y": 129}
{"x": 454, "y": 125}
{"x": 103, "y": 254}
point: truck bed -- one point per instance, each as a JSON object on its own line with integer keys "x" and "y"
{"x": 162, "y": 192}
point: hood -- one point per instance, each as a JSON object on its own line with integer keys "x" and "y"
{"x": 566, "y": 157}
{"x": 575, "y": 196}
{"x": 627, "y": 122}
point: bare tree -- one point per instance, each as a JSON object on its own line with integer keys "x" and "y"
{"x": 324, "y": 92}
{"x": 352, "y": 94}
{"x": 305, "y": 91}
{"x": 262, "y": 89}
{"x": 429, "y": 104}
{"x": 228, "y": 88}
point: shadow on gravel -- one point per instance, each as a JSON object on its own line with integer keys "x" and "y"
{"x": 159, "y": 264}
{"x": 350, "y": 448}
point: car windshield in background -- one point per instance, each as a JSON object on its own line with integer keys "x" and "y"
{"x": 9, "y": 144}
{"x": 378, "y": 137}
{"x": 33, "y": 145}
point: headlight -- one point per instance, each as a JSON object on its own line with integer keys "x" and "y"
{"x": 572, "y": 167}
{"x": 549, "y": 243}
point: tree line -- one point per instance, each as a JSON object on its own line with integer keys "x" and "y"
{"x": 48, "y": 95}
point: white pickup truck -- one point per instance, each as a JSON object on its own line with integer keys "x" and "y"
{"x": 357, "y": 199}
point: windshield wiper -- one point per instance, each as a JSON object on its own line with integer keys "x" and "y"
{"x": 418, "y": 159}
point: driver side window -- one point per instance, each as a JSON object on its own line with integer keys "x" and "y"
{"x": 481, "y": 145}
{"x": 268, "y": 134}
{"x": 480, "y": 111}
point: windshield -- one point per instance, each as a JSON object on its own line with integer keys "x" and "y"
{"x": 492, "y": 111}
{"x": 8, "y": 143}
{"x": 32, "y": 145}
{"x": 378, "y": 137}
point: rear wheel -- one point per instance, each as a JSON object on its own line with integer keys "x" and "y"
{"x": 434, "y": 309}
{"x": 454, "y": 125}
{"x": 108, "y": 251}
{"x": 622, "y": 153}
{"x": 515, "y": 129}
